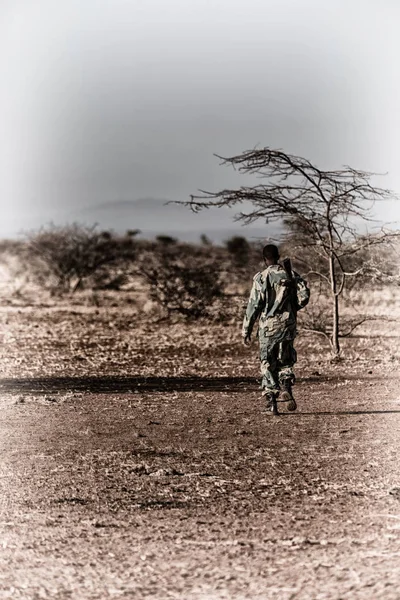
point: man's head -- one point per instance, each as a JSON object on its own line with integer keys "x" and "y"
{"x": 270, "y": 254}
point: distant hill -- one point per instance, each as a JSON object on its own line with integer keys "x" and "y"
{"x": 155, "y": 216}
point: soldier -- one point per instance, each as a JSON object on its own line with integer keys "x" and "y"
{"x": 275, "y": 298}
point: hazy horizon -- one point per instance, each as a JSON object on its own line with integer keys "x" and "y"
{"x": 104, "y": 101}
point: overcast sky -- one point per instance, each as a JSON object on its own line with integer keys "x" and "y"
{"x": 105, "y": 100}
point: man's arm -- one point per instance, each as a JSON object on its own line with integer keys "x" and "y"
{"x": 254, "y": 307}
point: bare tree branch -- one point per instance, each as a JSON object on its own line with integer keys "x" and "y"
{"x": 324, "y": 207}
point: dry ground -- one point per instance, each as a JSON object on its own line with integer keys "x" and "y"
{"x": 138, "y": 462}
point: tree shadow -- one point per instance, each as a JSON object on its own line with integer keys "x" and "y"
{"x": 128, "y": 385}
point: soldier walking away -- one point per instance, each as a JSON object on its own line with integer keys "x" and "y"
{"x": 277, "y": 294}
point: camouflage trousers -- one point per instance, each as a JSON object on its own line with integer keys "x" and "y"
{"x": 277, "y": 361}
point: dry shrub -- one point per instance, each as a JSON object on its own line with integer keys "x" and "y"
{"x": 182, "y": 279}
{"x": 62, "y": 258}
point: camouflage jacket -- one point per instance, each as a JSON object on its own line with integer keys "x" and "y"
{"x": 272, "y": 302}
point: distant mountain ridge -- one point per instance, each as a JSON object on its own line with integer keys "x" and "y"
{"x": 154, "y": 216}
{"x": 140, "y": 203}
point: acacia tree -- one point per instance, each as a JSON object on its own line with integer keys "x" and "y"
{"x": 326, "y": 207}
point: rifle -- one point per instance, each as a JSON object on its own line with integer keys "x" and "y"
{"x": 290, "y": 284}
{"x": 287, "y": 265}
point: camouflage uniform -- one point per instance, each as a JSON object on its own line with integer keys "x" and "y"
{"x": 272, "y": 302}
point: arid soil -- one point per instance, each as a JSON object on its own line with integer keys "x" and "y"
{"x": 138, "y": 461}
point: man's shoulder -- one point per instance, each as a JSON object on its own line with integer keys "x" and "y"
{"x": 261, "y": 276}
{"x": 265, "y": 272}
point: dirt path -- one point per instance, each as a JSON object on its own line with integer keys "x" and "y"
{"x": 199, "y": 494}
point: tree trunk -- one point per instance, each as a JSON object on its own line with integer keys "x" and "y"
{"x": 335, "y": 309}
{"x": 335, "y": 330}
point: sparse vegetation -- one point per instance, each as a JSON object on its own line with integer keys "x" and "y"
{"x": 67, "y": 256}
{"x": 194, "y": 281}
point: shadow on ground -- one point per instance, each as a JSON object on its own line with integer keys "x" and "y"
{"x": 108, "y": 384}
{"x": 127, "y": 385}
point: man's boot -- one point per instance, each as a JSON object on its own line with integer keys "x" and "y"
{"x": 286, "y": 394}
{"x": 272, "y": 403}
